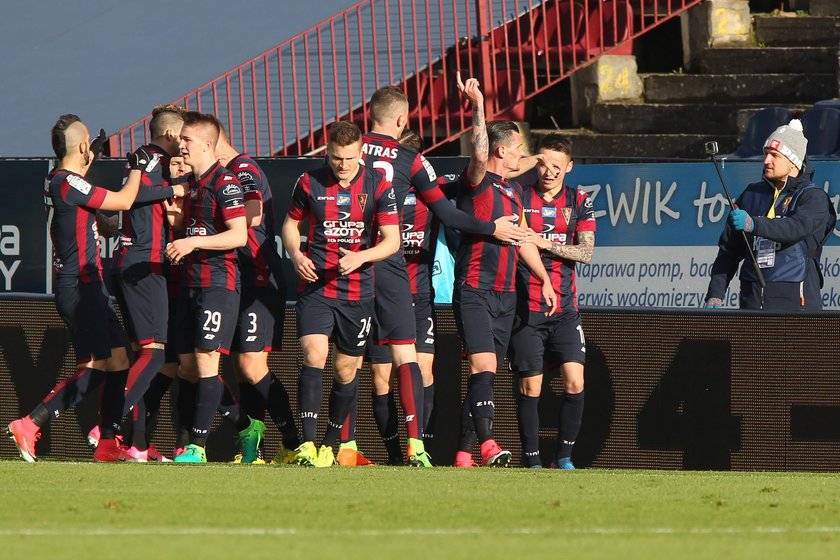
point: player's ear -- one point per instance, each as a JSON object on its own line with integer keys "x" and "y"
{"x": 570, "y": 166}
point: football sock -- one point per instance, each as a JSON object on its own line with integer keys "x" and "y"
{"x": 146, "y": 365}
{"x": 229, "y": 408}
{"x": 348, "y": 431}
{"x": 428, "y": 411}
{"x": 251, "y": 400}
{"x": 138, "y": 427}
{"x": 111, "y": 406}
{"x": 411, "y": 397}
{"x": 185, "y": 405}
{"x": 310, "y": 388}
{"x": 571, "y": 416}
{"x": 468, "y": 437}
{"x": 481, "y": 404}
{"x": 528, "y": 414}
{"x": 208, "y": 396}
{"x": 280, "y": 410}
{"x": 385, "y": 415}
{"x": 341, "y": 399}
{"x": 67, "y": 394}
{"x": 152, "y": 399}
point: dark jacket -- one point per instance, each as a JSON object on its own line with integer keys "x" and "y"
{"x": 803, "y": 222}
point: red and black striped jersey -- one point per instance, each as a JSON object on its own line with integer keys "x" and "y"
{"x": 212, "y": 199}
{"x": 145, "y": 229}
{"x": 342, "y": 217}
{"x": 420, "y": 229}
{"x": 71, "y": 214}
{"x": 258, "y": 260}
{"x": 557, "y": 220}
{"x": 484, "y": 262}
{"x": 407, "y": 169}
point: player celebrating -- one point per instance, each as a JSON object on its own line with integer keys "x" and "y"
{"x": 213, "y": 218}
{"x": 262, "y": 304}
{"x": 484, "y": 300}
{"x": 344, "y": 202}
{"x": 407, "y": 169}
{"x": 80, "y": 295}
{"x": 564, "y": 223}
{"x": 141, "y": 263}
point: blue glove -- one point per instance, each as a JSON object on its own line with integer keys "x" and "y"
{"x": 741, "y": 221}
{"x": 713, "y": 303}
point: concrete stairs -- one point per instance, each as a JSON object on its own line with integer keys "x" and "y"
{"x": 794, "y": 63}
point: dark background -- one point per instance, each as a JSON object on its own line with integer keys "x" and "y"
{"x": 664, "y": 390}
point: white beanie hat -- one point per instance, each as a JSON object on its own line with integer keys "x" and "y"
{"x": 789, "y": 141}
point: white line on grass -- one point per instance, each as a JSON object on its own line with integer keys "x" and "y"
{"x": 227, "y": 531}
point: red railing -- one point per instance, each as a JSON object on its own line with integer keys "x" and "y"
{"x": 280, "y": 102}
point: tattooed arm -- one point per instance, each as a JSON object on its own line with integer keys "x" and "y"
{"x": 580, "y": 251}
{"x": 480, "y": 144}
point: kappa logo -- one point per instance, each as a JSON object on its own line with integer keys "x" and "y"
{"x": 343, "y": 199}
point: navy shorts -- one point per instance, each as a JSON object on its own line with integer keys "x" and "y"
{"x": 260, "y": 325}
{"x": 536, "y": 338}
{"x": 89, "y": 314}
{"x": 394, "y": 304}
{"x": 424, "y": 325}
{"x": 484, "y": 319}
{"x": 144, "y": 301}
{"x": 205, "y": 319}
{"x": 347, "y": 323}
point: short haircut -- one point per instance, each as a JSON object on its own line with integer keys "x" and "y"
{"x": 163, "y": 117}
{"x": 59, "y": 136}
{"x": 344, "y": 133}
{"x": 412, "y": 140}
{"x": 558, "y": 143}
{"x": 385, "y": 102}
{"x": 205, "y": 121}
{"x": 499, "y": 133}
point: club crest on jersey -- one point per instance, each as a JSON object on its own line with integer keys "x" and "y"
{"x": 411, "y": 199}
{"x": 567, "y": 215}
{"x": 362, "y": 198}
{"x": 343, "y": 199}
{"x": 231, "y": 190}
{"x": 549, "y": 212}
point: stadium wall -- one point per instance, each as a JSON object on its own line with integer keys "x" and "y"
{"x": 664, "y": 390}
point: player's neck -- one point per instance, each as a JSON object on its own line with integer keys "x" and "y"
{"x": 73, "y": 165}
{"x": 551, "y": 194}
{"x": 495, "y": 165}
{"x": 200, "y": 168}
{"x": 391, "y": 131}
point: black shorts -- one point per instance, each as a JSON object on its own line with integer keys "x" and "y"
{"x": 424, "y": 325}
{"x": 537, "y": 339}
{"x": 175, "y": 344}
{"x": 484, "y": 319}
{"x": 89, "y": 314}
{"x": 347, "y": 323}
{"x": 394, "y": 305}
{"x": 205, "y": 319}
{"x": 260, "y": 325}
{"x": 144, "y": 301}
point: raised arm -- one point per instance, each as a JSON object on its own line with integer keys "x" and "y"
{"x": 480, "y": 144}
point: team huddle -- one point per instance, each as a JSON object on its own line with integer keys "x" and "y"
{"x": 198, "y": 275}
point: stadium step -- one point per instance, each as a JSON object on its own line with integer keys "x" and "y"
{"x": 797, "y": 31}
{"x": 597, "y": 146}
{"x": 753, "y": 88}
{"x": 768, "y": 60}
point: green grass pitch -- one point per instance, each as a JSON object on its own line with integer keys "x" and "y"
{"x": 197, "y": 512}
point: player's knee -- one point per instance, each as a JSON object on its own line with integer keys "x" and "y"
{"x": 573, "y": 387}
{"x": 118, "y": 360}
{"x": 530, "y": 383}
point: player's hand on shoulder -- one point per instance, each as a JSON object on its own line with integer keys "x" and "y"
{"x": 508, "y": 230}
{"x": 139, "y": 159}
{"x": 180, "y": 248}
